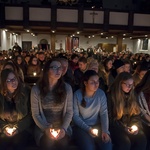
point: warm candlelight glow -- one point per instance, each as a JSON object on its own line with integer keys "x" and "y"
{"x": 95, "y": 132}
{"x": 54, "y": 132}
{"x": 34, "y": 73}
{"x": 10, "y": 130}
{"x": 134, "y": 128}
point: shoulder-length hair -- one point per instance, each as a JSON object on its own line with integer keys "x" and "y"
{"x": 59, "y": 90}
{"x": 86, "y": 76}
{"x": 3, "y": 78}
{"x": 118, "y": 97}
{"x": 144, "y": 85}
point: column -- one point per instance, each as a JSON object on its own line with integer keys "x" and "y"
{"x": 53, "y": 38}
{"x": 119, "y": 43}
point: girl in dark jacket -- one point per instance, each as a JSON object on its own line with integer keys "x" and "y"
{"x": 15, "y": 116}
{"x": 125, "y": 124}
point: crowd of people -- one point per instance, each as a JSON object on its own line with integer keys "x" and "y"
{"x": 97, "y": 101}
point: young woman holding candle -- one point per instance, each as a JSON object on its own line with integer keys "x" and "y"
{"x": 15, "y": 114}
{"x": 51, "y": 105}
{"x": 125, "y": 125}
{"x": 33, "y": 68}
{"x": 90, "y": 113}
{"x": 143, "y": 91}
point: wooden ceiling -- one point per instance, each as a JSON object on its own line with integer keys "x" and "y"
{"x": 73, "y": 31}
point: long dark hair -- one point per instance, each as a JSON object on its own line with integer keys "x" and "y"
{"x": 59, "y": 90}
{"x": 144, "y": 85}
{"x": 3, "y": 78}
{"x": 87, "y": 75}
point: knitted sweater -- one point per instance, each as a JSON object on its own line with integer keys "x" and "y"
{"x": 39, "y": 117}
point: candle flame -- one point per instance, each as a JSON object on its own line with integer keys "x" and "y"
{"x": 95, "y": 132}
{"x": 34, "y": 73}
{"x": 134, "y": 128}
{"x": 54, "y": 132}
{"x": 10, "y": 130}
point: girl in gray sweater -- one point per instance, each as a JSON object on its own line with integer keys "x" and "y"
{"x": 51, "y": 105}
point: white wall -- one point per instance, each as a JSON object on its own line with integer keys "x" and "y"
{"x": 8, "y": 40}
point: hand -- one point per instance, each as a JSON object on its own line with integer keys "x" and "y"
{"x": 105, "y": 137}
{"x": 15, "y": 132}
{"x": 61, "y": 134}
{"x": 91, "y": 132}
{"x": 11, "y": 133}
{"x": 130, "y": 131}
{"x": 49, "y": 134}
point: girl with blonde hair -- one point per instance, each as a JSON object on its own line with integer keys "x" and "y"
{"x": 125, "y": 124}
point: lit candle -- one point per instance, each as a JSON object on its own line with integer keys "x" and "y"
{"x": 54, "y": 132}
{"x": 95, "y": 132}
{"x": 10, "y": 130}
{"x": 134, "y": 128}
{"x": 34, "y": 73}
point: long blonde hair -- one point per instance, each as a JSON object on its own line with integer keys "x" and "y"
{"x": 118, "y": 97}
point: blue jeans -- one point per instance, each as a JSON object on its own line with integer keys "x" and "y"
{"x": 85, "y": 141}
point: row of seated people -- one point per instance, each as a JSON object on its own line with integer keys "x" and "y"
{"x": 32, "y": 67}
{"x": 53, "y": 115}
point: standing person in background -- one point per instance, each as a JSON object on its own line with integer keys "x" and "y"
{"x": 15, "y": 114}
{"x": 124, "y": 115}
{"x": 143, "y": 92}
{"x": 16, "y": 47}
{"x": 90, "y": 114}
{"x": 51, "y": 105}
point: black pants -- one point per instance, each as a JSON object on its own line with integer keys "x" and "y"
{"x": 146, "y": 130}
{"x": 48, "y": 144}
{"x": 124, "y": 141}
{"x": 17, "y": 142}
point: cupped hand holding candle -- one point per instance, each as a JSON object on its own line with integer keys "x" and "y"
{"x": 54, "y": 132}
{"x": 133, "y": 129}
{"x": 94, "y": 132}
{"x": 10, "y": 130}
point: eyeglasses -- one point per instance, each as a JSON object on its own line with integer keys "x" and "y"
{"x": 11, "y": 80}
{"x": 56, "y": 68}
{"x": 128, "y": 85}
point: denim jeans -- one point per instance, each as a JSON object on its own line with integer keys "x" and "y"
{"x": 85, "y": 141}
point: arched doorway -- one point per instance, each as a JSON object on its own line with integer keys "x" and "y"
{"x": 43, "y": 44}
